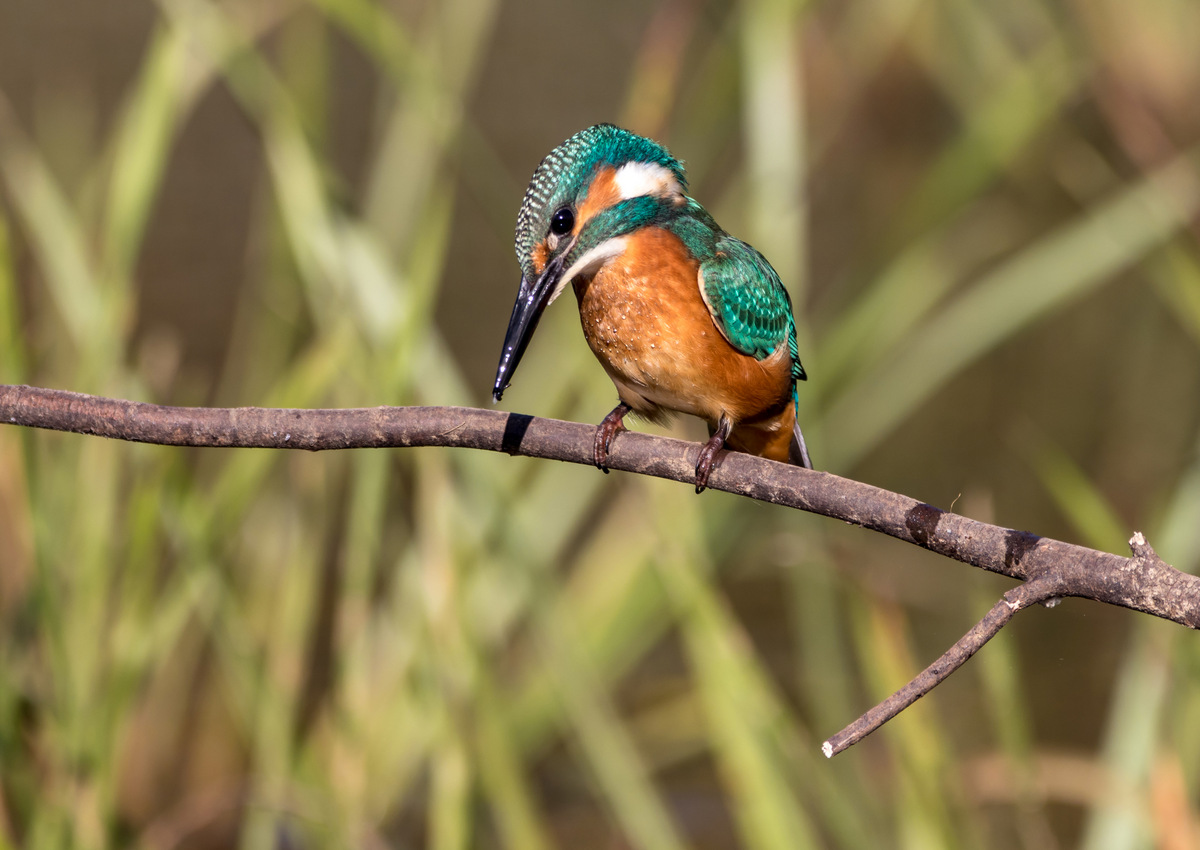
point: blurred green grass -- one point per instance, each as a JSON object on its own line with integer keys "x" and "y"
{"x": 987, "y": 218}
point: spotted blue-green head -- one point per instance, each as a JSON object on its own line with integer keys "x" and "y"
{"x": 588, "y": 193}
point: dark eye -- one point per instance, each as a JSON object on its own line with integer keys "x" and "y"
{"x": 563, "y": 222}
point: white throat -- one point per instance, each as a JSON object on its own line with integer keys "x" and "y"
{"x": 589, "y": 263}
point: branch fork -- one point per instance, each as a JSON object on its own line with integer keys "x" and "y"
{"x": 1043, "y": 589}
{"x": 1048, "y": 569}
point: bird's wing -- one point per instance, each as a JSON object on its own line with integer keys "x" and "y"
{"x": 748, "y": 302}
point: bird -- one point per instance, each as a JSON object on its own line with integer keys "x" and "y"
{"x": 682, "y": 316}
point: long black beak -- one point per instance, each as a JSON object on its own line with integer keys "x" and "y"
{"x": 527, "y": 312}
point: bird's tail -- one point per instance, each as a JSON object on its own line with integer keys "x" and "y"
{"x": 798, "y": 450}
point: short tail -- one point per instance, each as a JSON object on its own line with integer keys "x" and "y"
{"x": 798, "y": 450}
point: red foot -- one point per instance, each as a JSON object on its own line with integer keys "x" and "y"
{"x": 709, "y": 452}
{"x": 612, "y": 425}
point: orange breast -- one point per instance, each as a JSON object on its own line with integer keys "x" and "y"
{"x": 643, "y": 316}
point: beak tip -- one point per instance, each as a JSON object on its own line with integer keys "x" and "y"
{"x": 501, "y": 383}
{"x": 532, "y": 299}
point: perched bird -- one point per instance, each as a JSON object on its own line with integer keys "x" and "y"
{"x": 682, "y": 316}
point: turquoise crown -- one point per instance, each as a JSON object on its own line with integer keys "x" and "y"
{"x": 568, "y": 169}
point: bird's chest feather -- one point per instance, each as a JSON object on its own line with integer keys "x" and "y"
{"x": 642, "y": 309}
{"x": 647, "y": 323}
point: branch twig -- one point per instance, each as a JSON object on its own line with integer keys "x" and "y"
{"x": 1041, "y": 589}
{"x": 1049, "y": 568}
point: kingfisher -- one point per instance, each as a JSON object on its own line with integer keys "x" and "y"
{"x": 683, "y": 317}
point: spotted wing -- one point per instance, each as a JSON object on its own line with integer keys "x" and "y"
{"x": 748, "y": 302}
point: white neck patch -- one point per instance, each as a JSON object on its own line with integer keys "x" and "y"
{"x": 635, "y": 179}
{"x": 589, "y": 263}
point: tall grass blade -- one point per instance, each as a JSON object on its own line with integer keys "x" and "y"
{"x": 1077, "y": 258}
{"x": 619, "y": 770}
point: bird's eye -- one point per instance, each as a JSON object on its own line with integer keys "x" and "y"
{"x": 563, "y": 222}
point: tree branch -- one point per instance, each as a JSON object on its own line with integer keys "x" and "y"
{"x": 1050, "y": 568}
{"x": 1040, "y": 589}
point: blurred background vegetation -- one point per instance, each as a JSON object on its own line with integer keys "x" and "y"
{"x": 986, "y": 215}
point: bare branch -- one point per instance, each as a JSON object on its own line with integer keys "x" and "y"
{"x": 1050, "y": 568}
{"x": 1041, "y": 589}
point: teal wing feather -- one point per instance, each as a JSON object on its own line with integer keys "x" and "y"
{"x": 748, "y": 301}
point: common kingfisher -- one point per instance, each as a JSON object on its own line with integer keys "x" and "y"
{"x": 682, "y": 316}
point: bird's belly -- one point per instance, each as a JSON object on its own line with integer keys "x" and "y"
{"x": 646, "y": 345}
{"x": 654, "y": 381}
{"x": 644, "y": 319}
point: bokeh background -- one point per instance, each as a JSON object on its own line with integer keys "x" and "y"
{"x": 986, "y": 214}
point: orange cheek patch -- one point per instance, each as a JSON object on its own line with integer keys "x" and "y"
{"x": 601, "y": 195}
{"x": 541, "y": 255}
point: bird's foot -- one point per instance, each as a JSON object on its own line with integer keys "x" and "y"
{"x": 612, "y": 425}
{"x": 709, "y": 452}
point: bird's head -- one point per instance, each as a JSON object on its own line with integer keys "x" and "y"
{"x": 585, "y": 197}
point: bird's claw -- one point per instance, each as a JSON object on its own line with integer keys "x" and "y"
{"x": 706, "y": 464}
{"x": 709, "y": 453}
{"x": 612, "y": 425}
